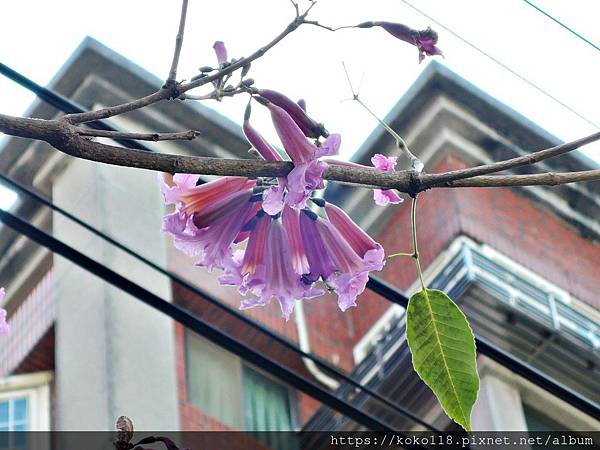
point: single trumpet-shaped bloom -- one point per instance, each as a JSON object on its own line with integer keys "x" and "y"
{"x": 297, "y": 112}
{"x": 208, "y": 218}
{"x": 274, "y": 195}
{"x": 267, "y": 269}
{"x": 385, "y": 196}
{"x": 332, "y": 258}
{"x": 424, "y": 40}
{"x": 4, "y": 327}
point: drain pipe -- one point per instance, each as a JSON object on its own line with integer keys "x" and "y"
{"x": 304, "y": 342}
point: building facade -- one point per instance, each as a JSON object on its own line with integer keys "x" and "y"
{"x": 524, "y": 265}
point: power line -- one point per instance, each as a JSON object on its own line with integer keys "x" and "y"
{"x": 501, "y": 64}
{"x": 191, "y": 322}
{"x": 569, "y": 29}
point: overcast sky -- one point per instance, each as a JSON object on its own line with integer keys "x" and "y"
{"x": 38, "y": 36}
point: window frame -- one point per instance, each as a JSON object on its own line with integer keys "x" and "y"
{"x": 35, "y": 387}
{"x": 291, "y": 393}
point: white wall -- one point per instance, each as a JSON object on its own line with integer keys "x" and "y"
{"x": 114, "y": 355}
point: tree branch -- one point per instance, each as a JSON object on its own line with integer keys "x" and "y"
{"x": 541, "y": 179}
{"x": 105, "y": 113}
{"x": 532, "y": 158}
{"x": 65, "y": 137}
{"x": 183, "y": 136}
{"x": 178, "y": 43}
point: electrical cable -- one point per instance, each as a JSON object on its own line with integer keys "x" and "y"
{"x": 501, "y": 64}
{"x": 191, "y": 322}
{"x": 569, "y": 29}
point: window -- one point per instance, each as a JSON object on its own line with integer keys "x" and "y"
{"x": 24, "y": 404}
{"x": 213, "y": 378}
{"x": 14, "y": 417}
{"x": 239, "y": 396}
{"x": 13, "y": 414}
{"x": 266, "y": 403}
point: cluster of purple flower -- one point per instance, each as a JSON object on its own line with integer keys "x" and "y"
{"x": 288, "y": 246}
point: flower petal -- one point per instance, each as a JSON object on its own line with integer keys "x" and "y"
{"x": 260, "y": 143}
{"x": 273, "y": 199}
{"x": 291, "y": 222}
{"x": 360, "y": 241}
{"x": 277, "y": 277}
{"x": 319, "y": 259}
{"x": 384, "y": 197}
{"x": 384, "y": 163}
{"x": 330, "y": 147}
{"x": 4, "y": 327}
{"x": 299, "y": 149}
{"x": 348, "y": 287}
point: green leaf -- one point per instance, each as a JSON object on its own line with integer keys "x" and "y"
{"x": 443, "y": 352}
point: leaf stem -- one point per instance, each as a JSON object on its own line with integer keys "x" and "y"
{"x": 415, "y": 255}
{"x": 393, "y": 255}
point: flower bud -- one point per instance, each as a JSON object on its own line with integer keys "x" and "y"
{"x": 309, "y": 127}
{"x": 220, "y": 51}
{"x": 424, "y": 40}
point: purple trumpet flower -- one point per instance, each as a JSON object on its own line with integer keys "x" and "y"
{"x": 297, "y": 112}
{"x": 424, "y": 40}
{"x": 209, "y": 218}
{"x": 384, "y": 197}
{"x": 267, "y": 270}
{"x": 332, "y": 258}
{"x": 4, "y": 327}
{"x": 267, "y": 244}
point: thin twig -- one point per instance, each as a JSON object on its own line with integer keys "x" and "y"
{"x": 317, "y": 24}
{"x": 178, "y": 43}
{"x": 296, "y": 8}
{"x": 541, "y": 179}
{"x": 175, "y": 90}
{"x": 327, "y": 27}
{"x": 112, "y": 111}
{"x": 524, "y": 160}
{"x": 415, "y": 163}
{"x": 181, "y": 136}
